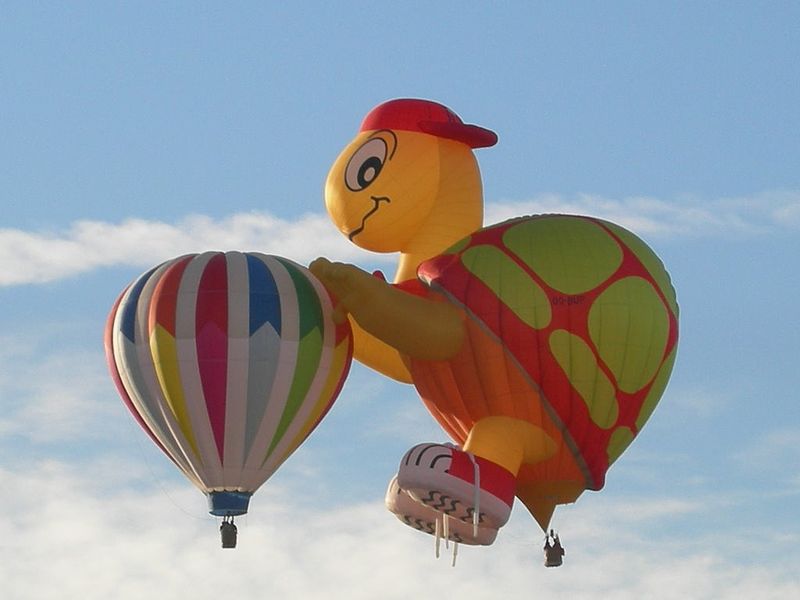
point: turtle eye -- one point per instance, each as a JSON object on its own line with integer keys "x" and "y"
{"x": 365, "y": 165}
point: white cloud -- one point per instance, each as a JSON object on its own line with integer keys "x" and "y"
{"x": 97, "y": 531}
{"x": 644, "y": 215}
{"x": 100, "y": 527}
{"x": 54, "y": 396}
{"x": 40, "y": 256}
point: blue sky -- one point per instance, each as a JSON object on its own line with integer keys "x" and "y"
{"x": 133, "y": 132}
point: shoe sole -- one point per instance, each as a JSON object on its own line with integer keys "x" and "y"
{"x": 423, "y": 518}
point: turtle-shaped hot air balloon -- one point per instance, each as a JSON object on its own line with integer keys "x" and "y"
{"x": 541, "y": 345}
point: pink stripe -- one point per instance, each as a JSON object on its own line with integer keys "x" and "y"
{"x": 211, "y": 337}
{"x": 108, "y": 342}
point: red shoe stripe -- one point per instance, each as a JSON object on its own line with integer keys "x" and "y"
{"x": 494, "y": 478}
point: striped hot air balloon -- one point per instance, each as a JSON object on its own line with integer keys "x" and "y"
{"x": 228, "y": 361}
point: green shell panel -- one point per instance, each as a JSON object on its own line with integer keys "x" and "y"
{"x": 577, "y": 360}
{"x": 571, "y": 255}
{"x": 650, "y": 261}
{"x": 620, "y": 439}
{"x": 629, "y": 326}
{"x": 659, "y": 384}
{"x": 507, "y": 280}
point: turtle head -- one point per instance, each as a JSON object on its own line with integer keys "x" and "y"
{"x": 410, "y": 171}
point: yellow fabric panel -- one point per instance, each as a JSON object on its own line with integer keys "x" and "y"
{"x": 165, "y": 361}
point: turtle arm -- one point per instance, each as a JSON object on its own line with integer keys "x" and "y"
{"x": 378, "y": 355}
{"x": 416, "y": 327}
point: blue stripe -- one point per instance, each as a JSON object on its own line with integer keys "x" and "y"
{"x": 265, "y": 303}
{"x": 129, "y": 307}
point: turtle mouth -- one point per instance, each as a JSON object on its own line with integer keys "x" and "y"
{"x": 377, "y": 204}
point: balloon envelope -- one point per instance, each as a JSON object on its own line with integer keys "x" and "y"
{"x": 572, "y": 326}
{"x": 228, "y": 361}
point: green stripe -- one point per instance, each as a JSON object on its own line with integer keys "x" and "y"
{"x": 308, "y": 352}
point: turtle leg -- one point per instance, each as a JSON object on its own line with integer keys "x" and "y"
{"x": 513, "y": 442}
{"x": 509, "y": 442}
{"x": 475, "y": 484}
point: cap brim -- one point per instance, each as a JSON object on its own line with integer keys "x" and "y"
{"x": 472, "y": 135}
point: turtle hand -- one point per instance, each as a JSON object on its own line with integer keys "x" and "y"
{"x": 342, "y": 280}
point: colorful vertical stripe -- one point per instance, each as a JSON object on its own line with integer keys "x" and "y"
{"x": 228, "y": 361}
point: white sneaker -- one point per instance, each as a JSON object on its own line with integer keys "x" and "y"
{"x": 458, "y": 484}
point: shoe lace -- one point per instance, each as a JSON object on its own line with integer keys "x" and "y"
{"x": 476, "y": 494}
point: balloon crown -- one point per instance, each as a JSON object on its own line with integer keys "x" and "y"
{"x": 426, "y": 116}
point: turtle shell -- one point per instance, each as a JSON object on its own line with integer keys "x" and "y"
{"x": 572, "y": 325}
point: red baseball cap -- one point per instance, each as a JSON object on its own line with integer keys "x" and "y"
{"x": 426, "y": 116}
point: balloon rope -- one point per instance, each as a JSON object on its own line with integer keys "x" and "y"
{"x": 136, "y": 434}
{"x": 476, "y": 498}
{"x": 438, "y": 532}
